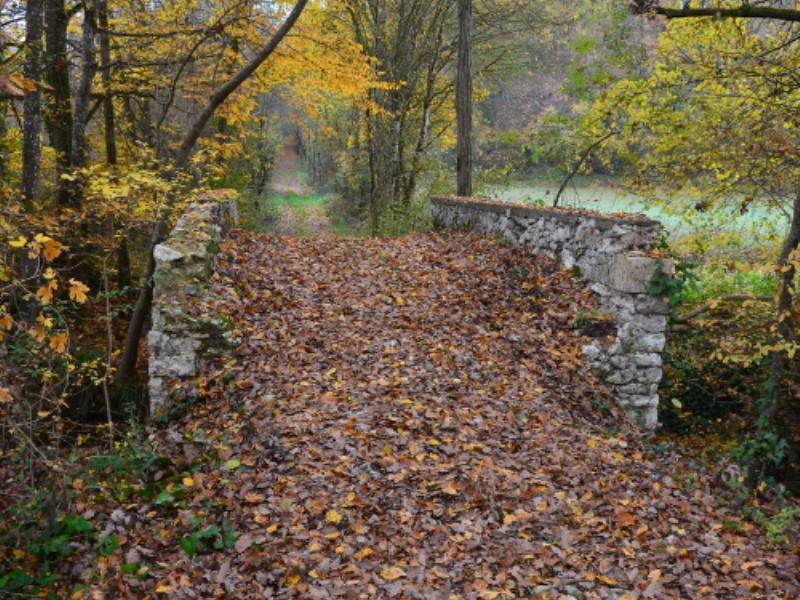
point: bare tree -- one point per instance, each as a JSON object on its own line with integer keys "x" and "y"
{"x": 32, "y": 105}
{"x": 464, "y": 99}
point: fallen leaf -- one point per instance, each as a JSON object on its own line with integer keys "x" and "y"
{"x": 392, "y": 573}
{"x": 333, "y": 517}
{"x": 451, "y": 488}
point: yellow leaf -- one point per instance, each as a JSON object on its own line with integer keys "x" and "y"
{"x": 392, "y": 573}
{"x": 293, "y": 579}
{"x": 272, "y": 528}
{"x": 45, "y": 293}
{"x": 49, "y": 274}
{"x": 364, "y": 553}
{"x": 333, "y": 517}
{"x": 19, "y": 242}
{"x": 163, "y": 589}
{"x": 488, "y": 595}
{"x": 78, "y": 291}
{"x": 58, "y": 343}
{"x": 52, "y": 250}
{"x": 188, "y": 482}
{"x": 5, "y": 396}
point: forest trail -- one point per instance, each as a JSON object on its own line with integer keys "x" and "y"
{"x": 300, "y": 211}
{"x": 287, "y": 177}
{"x": 409, "y": 418}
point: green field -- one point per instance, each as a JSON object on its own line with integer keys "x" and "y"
{"x": 603, "y": 195}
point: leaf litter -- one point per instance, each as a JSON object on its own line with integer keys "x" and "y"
{"x": 410, "y": 418}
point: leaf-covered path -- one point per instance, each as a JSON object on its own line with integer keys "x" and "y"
{"x": 409, "y": 418}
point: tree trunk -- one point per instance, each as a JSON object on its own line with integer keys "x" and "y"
{"x": 105, "y": 74}
{"x": 783, "y": 412}
{"x": 32, "y": 105}
{"x": 59, "y": 119}
{"x": 464, "y": 99}
{"x": 127, "y": 367}
{"x": 82, "y": 98}
{"x": 130, "y": 350}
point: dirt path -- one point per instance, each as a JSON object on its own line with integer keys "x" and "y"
{"x": 408, "y": 418}
{"x": 286, "y": 176}
{"x": 288, "y": 185}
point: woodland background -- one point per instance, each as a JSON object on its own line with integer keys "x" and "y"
{"x": 114, "y": 114}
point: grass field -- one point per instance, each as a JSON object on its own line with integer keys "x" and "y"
{"x": 603, "y": 195}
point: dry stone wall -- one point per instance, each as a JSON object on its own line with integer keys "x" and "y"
{"x": 615, "y": 255}
{"x": 182, "y": 336}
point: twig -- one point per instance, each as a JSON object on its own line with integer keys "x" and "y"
{"x": 586, "y": 153}
{"x": 712, "y": 303}
{"x": 109, "y": 354}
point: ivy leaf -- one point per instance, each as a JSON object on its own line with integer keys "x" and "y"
{"x": 164, "y": 498}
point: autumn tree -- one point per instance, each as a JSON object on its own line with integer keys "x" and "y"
{"x": 718, "y": 119}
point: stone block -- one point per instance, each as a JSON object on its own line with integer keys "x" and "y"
{"x": 633, "y": 273}
{"x": 636, "y": 389}
{"x": 651, "y": 305}
{"x": 164, "y": 254}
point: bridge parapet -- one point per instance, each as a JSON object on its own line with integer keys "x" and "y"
{"x": 181, "y": 335}
{"x": 615, "y": 254}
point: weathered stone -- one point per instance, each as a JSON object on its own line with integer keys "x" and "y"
{"x": 637, "y": 389}
{"x": 621, "y": 376}
{"x": 650, "y": 323}
{"x": 642, "y": 401}
{"x": 646, "y": 360}
{"x": 178, "y": 341}
{"x": 634, "y": 274}
{"x": 591, "y": 352}
{"x": 649, "y": 343}
{"x": 651, "y": 305}
{"x": 165, "y": 254}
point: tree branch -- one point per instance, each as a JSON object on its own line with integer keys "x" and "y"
{"x": 582, "y": 159}
{"x": 222, "y": 93}
{"x": 713, "y": 303}
{"x": 745, "y": 11}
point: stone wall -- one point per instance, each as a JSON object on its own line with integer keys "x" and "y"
{"x": 612, "y": 252}
{"x": 181, "y": 335}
